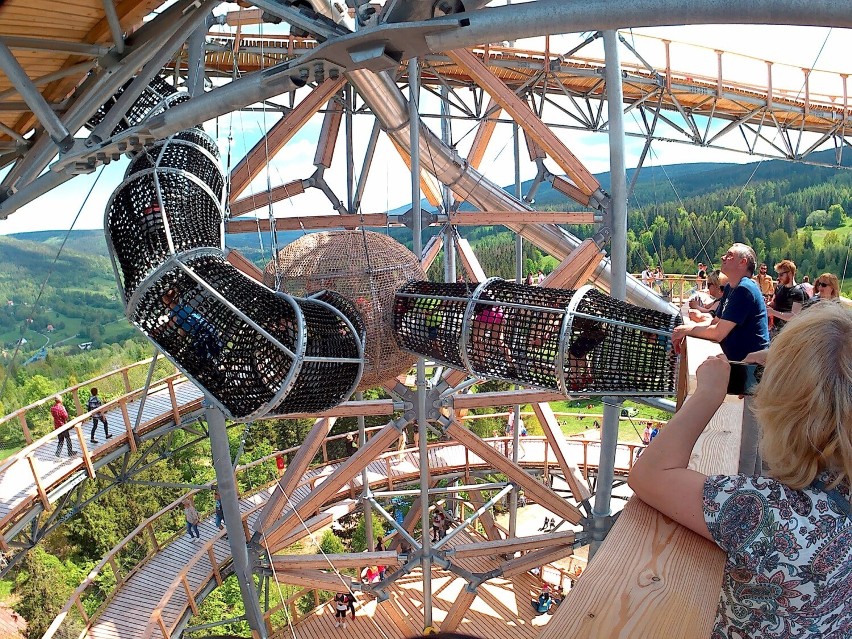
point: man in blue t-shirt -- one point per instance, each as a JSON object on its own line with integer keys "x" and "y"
{"x": 740, "y": 327}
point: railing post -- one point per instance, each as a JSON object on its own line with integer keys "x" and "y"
{"x": 82, "y": 610}
{"x": 162, "y": 624}
{"x": 212, "y": 556}
{"x": 22, "y": 420}
{"x": 324, "y": 452}
{"x": 87, "y": 458}
{"x": 119, "y": 579}
{"x": 586, "y": 460}
{"x": 42, "y": 494}
{"x": 189, "y": 596}
{"x": 151, "y": 534}
{"x": 126, "y": 379}
{"x": 389, "y": 473}
{"x": 75, "y": 393}
{"x": 173, "y": 399}
{"x": 131, "y": 440}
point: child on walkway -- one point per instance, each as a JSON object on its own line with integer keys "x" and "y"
{"x": 341, "y": 606}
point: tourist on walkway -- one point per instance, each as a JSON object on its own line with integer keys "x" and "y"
{"x": 60, "y": 418}
{"x": 543, "y": 603}
{"x": 740, "y": 327}
{"x": 785, "y": 530}
{"x": 789, "y": 297}
{"x": 192, "y": 518}
{"x": 220, "y": 513}
{"x": 94, "y": 404}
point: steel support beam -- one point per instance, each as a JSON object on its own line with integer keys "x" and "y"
{"x": 37, "y": 104}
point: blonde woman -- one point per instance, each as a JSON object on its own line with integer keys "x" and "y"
{"x": 787, "y": 532}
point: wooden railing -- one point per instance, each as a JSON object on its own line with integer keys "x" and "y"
{"x": 120, "y": 381}
{"x": 25, "y": 458}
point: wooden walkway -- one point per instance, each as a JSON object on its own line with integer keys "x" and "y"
{"x": 36, "y": 477}
{"x": 155, "y": 600}
{"x": 501, "y": 610}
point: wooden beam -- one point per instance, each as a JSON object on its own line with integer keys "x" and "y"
{"x": 481, "y": 218}
{"x": 309, "y": 222}
{"x": 534, "y": 150}
{"x": 570, "y": 189}
{"x": 243, "y": 264}
{"x": 469, "y": 261}
{"x": 352, "y": 408}
{"x": 456, "y": 613}
{"x": 574, "y": 270}
{"x": 314, "y": 579}
{"x": 543, "y": 495}
{"x": 487, "y": 519}
{"x": 401, "y": 619}
{"x": 244, "y": 16}
{"x": 263, "y": 199}
{"x": 534, "y": 559}
{"x": 282, "y": 132}
{"x": 316, "y": 523}
{"x": 294, "y": 473}
{"x": 553, "y": 432}
{"x": 515, "y": 544}
{"x": 485, "y": 400}
{"x": 345, "y": 560}
{"x": 332, "y": 484}
{"x": 524, "y": 116}
{"x": 430, "y": 252}
{"x": 328, "y": 135}
{"x": 484, "y": 132}
{"x": 428, "y": 184}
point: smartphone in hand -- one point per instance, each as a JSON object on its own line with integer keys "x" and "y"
{"x": 744, "y": 378}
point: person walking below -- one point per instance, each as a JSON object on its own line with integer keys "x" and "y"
{"x": 94, "y": 404}
{"x": 192, "y": 518}
{"x": 60, "y": 418}
{"x": 341, "y": 607}
{"x": 220, "y": 514}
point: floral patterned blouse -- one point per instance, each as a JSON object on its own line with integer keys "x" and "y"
{"x": 789, "y": 567}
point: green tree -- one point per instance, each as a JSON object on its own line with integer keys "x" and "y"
{"x": 835, "y": 217}
{"x": 331, "y": 544}
{"x": 43, "y": 585}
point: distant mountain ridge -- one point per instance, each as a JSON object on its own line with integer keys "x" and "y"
{"x": 656, "y": 184}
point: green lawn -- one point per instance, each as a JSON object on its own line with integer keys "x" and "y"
{"x": 841, "y": 231}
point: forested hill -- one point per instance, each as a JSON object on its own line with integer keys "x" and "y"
{"x": 679, "y": 215}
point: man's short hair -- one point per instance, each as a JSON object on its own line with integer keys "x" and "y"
{"x": 786, "y": 265}
{"x": 747, "y": 253}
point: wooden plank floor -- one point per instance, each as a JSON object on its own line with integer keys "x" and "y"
{"x": 501, "y": 610}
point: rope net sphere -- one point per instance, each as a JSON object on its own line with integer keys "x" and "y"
{"x": 253, "y": 350}
{"x": 364, "y": 267}
{"x": 574, "y": 342}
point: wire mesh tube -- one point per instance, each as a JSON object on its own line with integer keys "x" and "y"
{"x": 253, "y": 350}
{"x": 574, "y": 342}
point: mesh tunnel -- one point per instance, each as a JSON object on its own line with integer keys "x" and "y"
{"x": 574, "y": 342}
{"x": 253, "y": 350}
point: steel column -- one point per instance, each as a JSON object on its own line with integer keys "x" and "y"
{"x": 226, "y": 482}
{"x": 618, "y": 282}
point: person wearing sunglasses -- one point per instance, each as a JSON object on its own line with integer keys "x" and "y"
{"x": 789, "y": 297}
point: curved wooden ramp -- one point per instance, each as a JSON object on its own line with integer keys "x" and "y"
{"x": 160, "y": 596}
{"x": 34, "y": 479}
